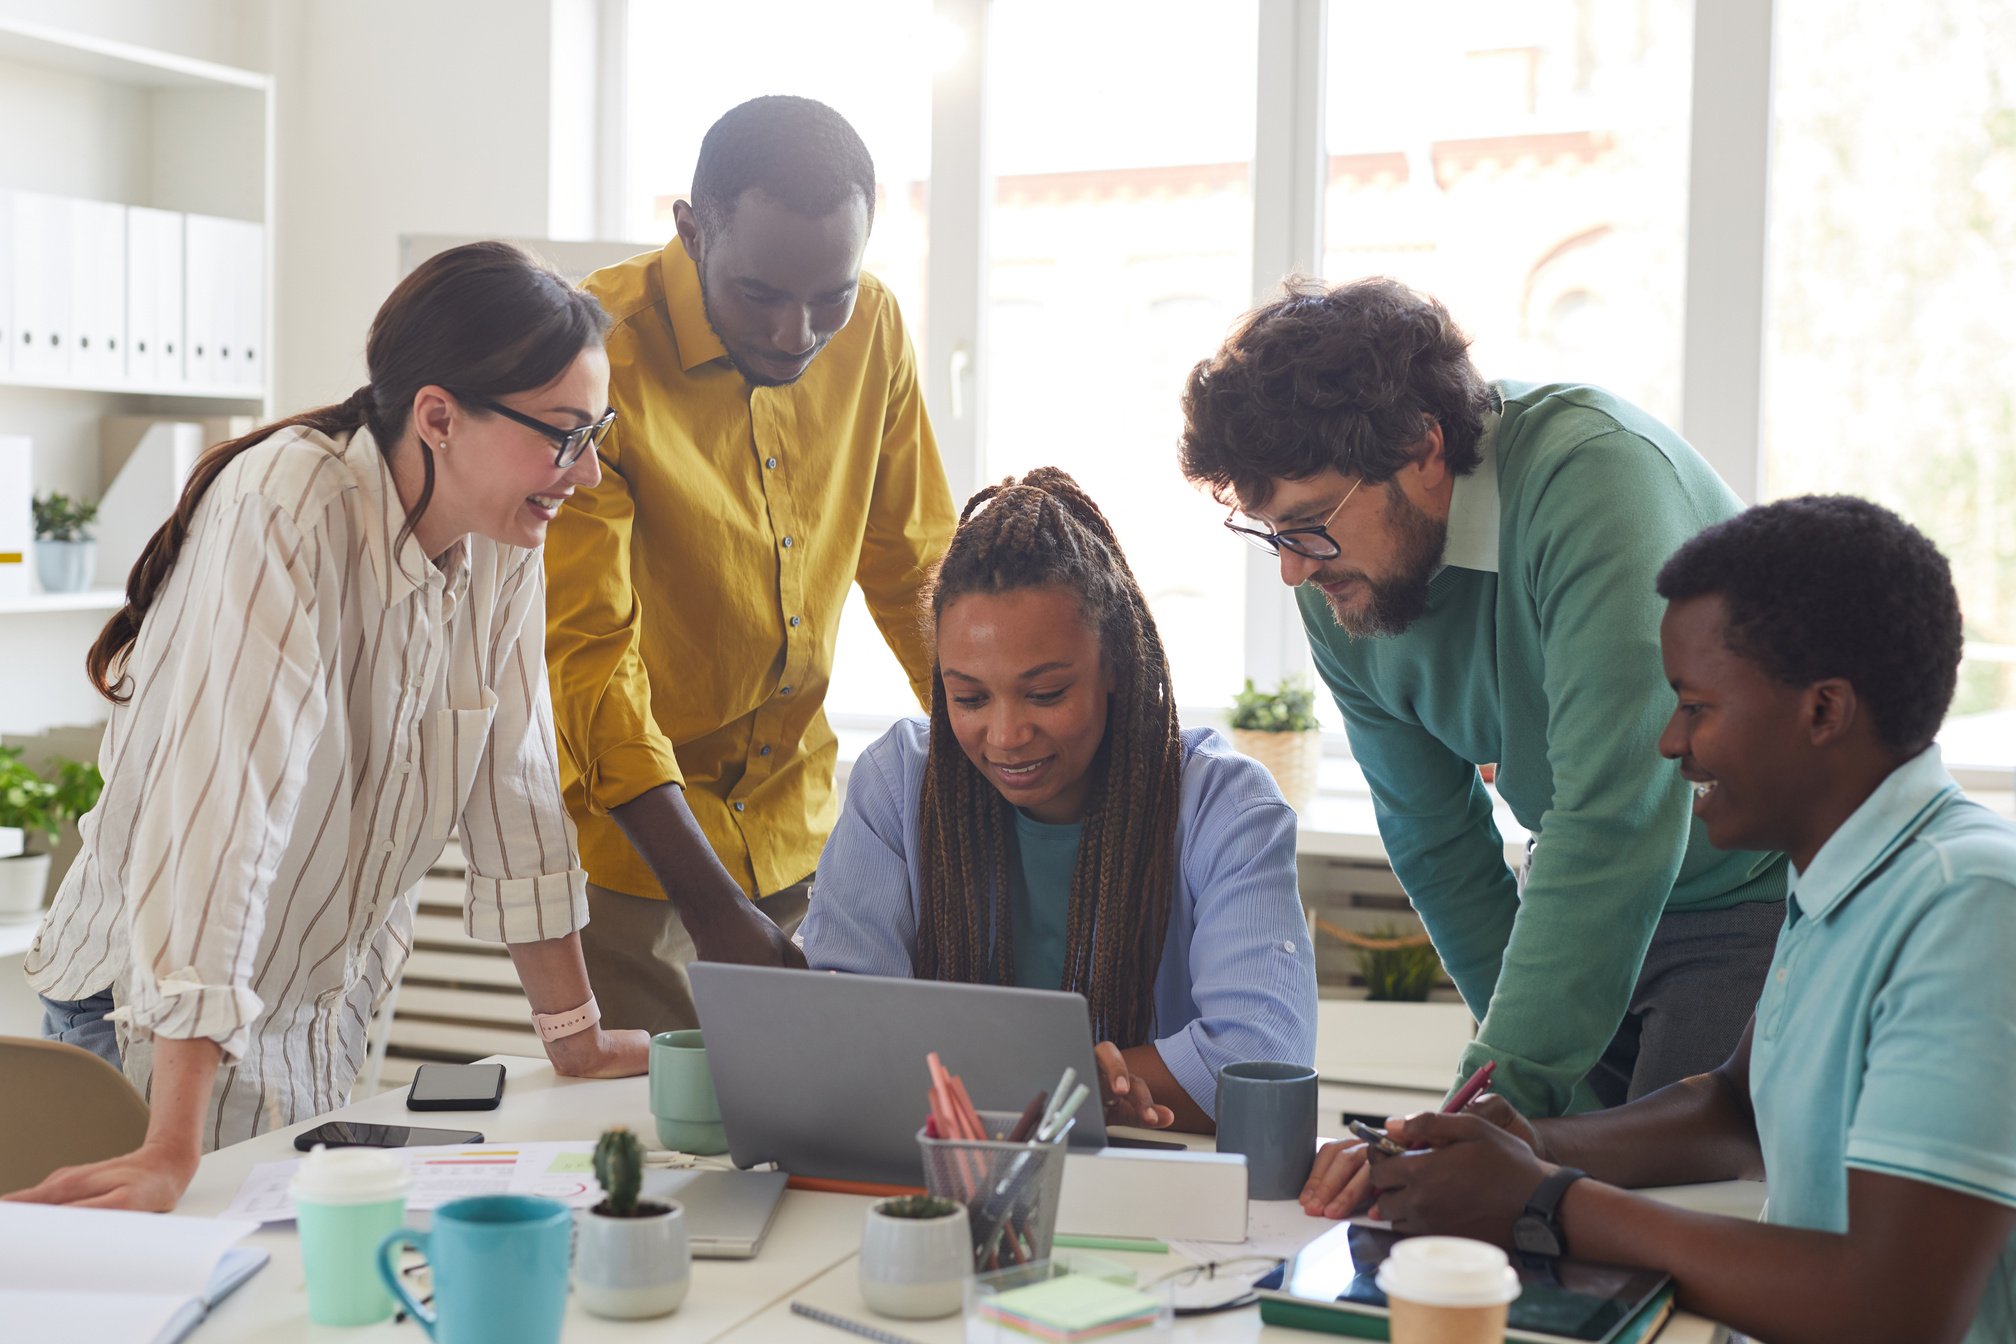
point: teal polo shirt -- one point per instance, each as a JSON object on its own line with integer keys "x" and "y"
{"x": 1886, "y": 1036}
{"x": 1540, "y": 651}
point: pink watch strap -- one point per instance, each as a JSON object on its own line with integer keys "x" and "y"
{"x": 553, "y": 1026}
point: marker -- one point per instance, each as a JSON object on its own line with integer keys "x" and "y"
{"x": 1055, "y": 1124}
{"x": 1472, "y": 1085}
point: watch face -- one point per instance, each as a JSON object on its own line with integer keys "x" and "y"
{"x": 1534, "y": 1236}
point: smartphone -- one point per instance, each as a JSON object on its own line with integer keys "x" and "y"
{"x": 1377, "y": 1139}
{"x": 1128, "y": 1141}
{"x": 456, "y": 1087}
{"x": 350, "y": 1134}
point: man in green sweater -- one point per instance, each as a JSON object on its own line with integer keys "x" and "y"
{"x": 1474, "y": 564}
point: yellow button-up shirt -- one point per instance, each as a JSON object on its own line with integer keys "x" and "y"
{"x": 695, "y": 594}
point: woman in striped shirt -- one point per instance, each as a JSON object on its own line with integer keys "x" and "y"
{"x": 1054, "y": 827}
{"x": 331, "y": 657}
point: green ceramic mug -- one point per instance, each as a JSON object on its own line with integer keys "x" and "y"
{"x": 682, "y": 1094}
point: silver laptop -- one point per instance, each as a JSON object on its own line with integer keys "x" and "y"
{"x": 824, "y": 1074}
{"x": 728, "y": 1213}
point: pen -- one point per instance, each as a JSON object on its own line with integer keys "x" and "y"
{"x": 1472, "y": 1085}
{"x": 1055, "y": 1124}
{"x": 853, "y": 1327}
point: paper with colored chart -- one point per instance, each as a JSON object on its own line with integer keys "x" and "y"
{"x": 564, "y": 1171}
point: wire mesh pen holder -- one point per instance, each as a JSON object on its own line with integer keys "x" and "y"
{"x": 1010, "y": 1190}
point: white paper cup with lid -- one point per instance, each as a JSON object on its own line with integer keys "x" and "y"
{"x": 1448, "y": 1290}
{"x": 346, "y": 1201}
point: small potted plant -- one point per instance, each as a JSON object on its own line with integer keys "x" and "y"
{"x": 916, "y": 1255}
{"x": 1399, "y": 967}
{"x": 633, "y": 1259}
{"x": 65, "y": 553}
{"x": 1278, "y": 728}
{"x": 32, "y": 813}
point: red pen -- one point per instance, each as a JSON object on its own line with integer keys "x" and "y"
{"x": 1472, "y": 1085}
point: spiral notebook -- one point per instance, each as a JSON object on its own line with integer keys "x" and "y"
{"x": 114, "y": 1277}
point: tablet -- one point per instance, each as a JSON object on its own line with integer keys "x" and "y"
{"x": 1559, "y": 1300}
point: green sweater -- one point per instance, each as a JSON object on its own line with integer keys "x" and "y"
{"x": 1540, "y": 651}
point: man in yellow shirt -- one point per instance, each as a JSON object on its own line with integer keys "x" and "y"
{"x": 770, "y": 450}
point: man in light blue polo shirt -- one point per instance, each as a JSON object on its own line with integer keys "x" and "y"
{"x": 1813, "y": 645}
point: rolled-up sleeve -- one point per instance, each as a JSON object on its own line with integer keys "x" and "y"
{"x": 209, "y": 835}
{"x": 526, "y": 883}
{"x": 1252, "y": 966}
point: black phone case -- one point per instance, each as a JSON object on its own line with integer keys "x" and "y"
{"x": 488, "y": 1103}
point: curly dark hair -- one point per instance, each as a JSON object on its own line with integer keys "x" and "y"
{"x": 1835, "y": 586}
{"x": 796, "y": 150}
{"x": 1342, "y": 378}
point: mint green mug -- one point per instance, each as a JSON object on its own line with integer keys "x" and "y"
{"x": 682, "y": 1095}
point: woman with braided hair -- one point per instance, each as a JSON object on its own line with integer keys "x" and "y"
{"x": 332, "y": 655}
{"x": 1053, "y": 826}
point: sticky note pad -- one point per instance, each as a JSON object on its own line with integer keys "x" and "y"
{"x": 1073, "y": 1308}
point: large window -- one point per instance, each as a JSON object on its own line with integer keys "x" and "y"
{"x": 1544, "y": 168}
{"x": 1892, "y": 370}
{"x": 1120, "y": 252}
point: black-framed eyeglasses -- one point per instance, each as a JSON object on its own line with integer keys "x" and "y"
{"x": 1314, "y": 543}
{"x": 570, "y": 443}
{"x": 1220, "y": 1285}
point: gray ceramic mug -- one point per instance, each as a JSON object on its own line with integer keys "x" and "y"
{"x": 1268, "y": 1112}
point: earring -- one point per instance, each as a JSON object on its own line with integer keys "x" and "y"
{"x": 444, "y": 445}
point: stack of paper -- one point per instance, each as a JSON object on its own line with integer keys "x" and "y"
{"x": 105, "y": 1275}
{"x": 1073, "y": 1308}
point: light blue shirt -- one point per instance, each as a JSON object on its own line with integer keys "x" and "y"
{"x": 1238, "y": 974}
{"x": 1886, "y": 1035}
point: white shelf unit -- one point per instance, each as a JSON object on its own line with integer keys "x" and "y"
{"x": 109, "y": 121}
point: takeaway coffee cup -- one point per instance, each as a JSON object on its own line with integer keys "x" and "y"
{"x": 1447, "y": 1290}
{"x": 346, "y": 1200}
{"x": 1268, "y": 1112}
{"x": 682, "y": 1095}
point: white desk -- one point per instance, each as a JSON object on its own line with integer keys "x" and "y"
{"x": 809, "y": 1254}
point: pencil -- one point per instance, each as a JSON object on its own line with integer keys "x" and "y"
{"x": 853, "y": 1327}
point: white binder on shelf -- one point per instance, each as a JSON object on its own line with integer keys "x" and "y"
{"x": 244, "y": 349}
{"x": 41, "y": 283}
{"x": 6, "y": 282}
{"x": 97, "y": 279}
{"x": 146, "y": 477}
{"x": 206, "y": 301}
{"x": 153, "y": 297}
{"x": 17, "y": 523}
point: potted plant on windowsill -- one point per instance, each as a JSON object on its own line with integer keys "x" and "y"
{"x": 634, "y": 1259}
{"x": 65, "y": 552}
{"x": 32, "y": 813}
{"x": 1278, "y": 728}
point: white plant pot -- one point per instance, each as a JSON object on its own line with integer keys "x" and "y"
{"x": 630, "y": 1268}
{"x": 1292, "y": 758}
{"x": 65, "y": 566}
{"x": 915, "y": 1268}
{"x": 23, "y": 880}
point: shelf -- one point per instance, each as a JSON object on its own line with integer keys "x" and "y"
{"x": 93, "y": 599}
{"x": 16, "y": 935}
{"x": 187, "y": 391}
{"x": 37, "y": 44}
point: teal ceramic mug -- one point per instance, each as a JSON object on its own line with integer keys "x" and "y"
{"x": 500, "y": 1267}
{"x": 682, "y": 1094}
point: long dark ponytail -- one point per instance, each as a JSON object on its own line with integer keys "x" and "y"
{"x": 487, "y": 318}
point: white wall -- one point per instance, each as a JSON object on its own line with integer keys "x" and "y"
{"x": 394, "y": 117}
{"x": 229, "y": 32}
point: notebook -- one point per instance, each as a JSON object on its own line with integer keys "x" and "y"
{"x": 107, "y": 1275}
{"x": 1331, "y": 1286}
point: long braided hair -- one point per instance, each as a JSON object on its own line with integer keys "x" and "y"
{"x": 1037, "y": 532}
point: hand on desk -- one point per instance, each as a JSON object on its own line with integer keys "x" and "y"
{"x": 150, "y": 1179}
{"x": 1341, "y": 1183}
{"x": 596, "y": 1053}
{"x": 1128, "y": 1098}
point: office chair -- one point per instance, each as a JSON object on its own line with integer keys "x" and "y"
{"x": 61, "y": 1106}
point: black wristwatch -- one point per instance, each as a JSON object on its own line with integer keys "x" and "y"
{"x": 1537, "y": 1231}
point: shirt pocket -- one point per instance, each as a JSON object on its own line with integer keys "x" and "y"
{"x": 458, "y": 738}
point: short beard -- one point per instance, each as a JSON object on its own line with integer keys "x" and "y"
{"x": 750, "y": 376}
{"x": 1401, "y": 598}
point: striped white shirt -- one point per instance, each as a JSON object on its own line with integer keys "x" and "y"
{"x": 313, "y": 713}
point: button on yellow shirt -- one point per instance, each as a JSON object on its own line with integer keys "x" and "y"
{"x": 695, "y": 594}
